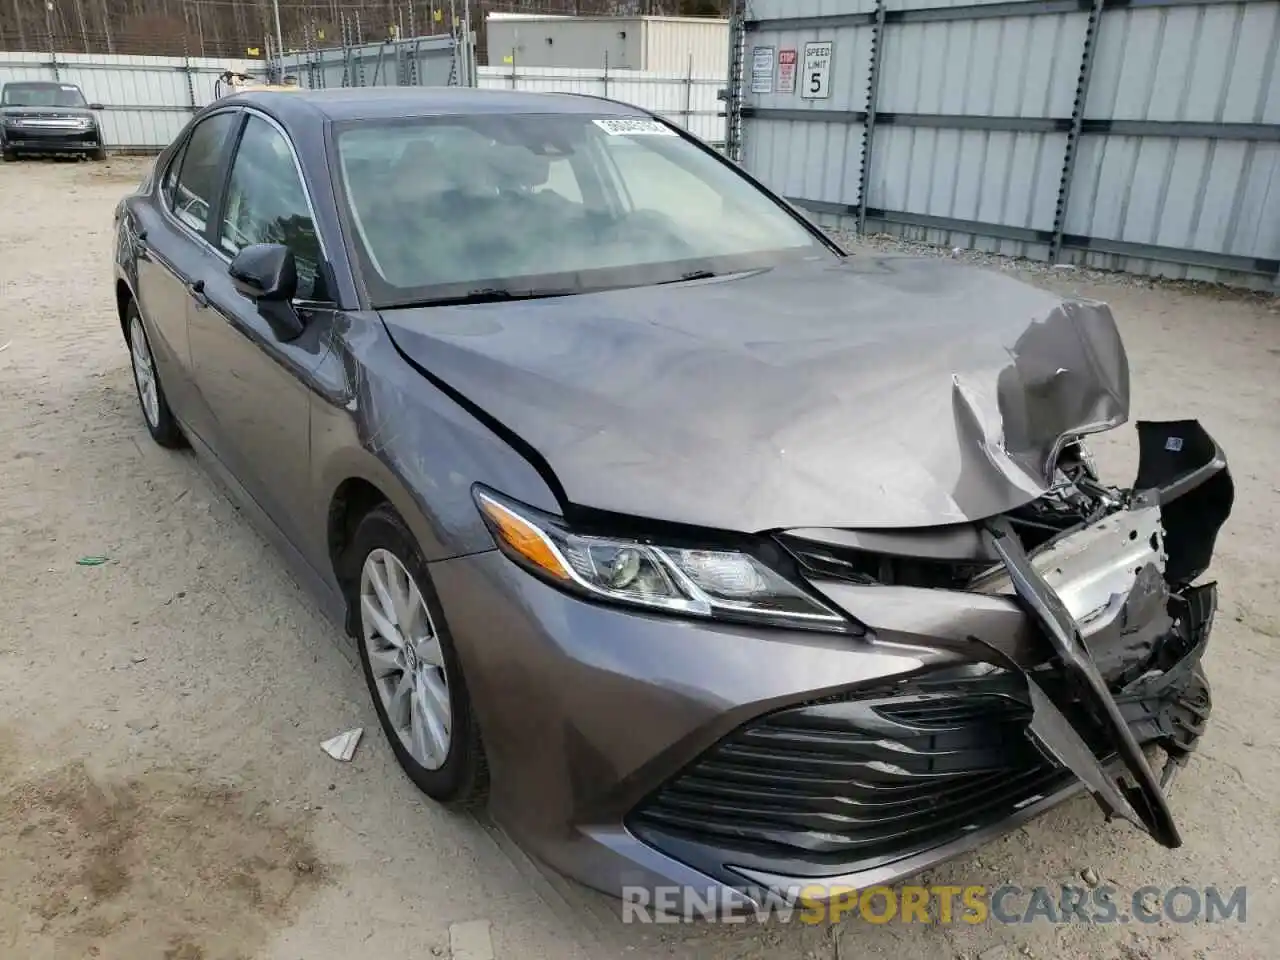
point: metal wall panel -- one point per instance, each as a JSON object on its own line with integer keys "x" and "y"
{"x": 658, "y": 44}
{"x": 1142, "y": 137}
{"x": 989, "y": 176}
{"x": 385, "y": 64}
{"x": 794, "y": 9}
{"x": 676, "y": 44}
{"x": 811, "y": 159}
{"x": 579, "y": 42}
{"x": 1001, "y": 67}
{"x": 689, "y": 102}
{"x": 1205, "y": 65}
{"x": 1213, "y": 64}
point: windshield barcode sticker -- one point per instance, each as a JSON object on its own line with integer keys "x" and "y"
{"x": 634, "y": 127}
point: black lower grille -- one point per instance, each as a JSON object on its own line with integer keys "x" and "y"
{"x": 857, "y": 781}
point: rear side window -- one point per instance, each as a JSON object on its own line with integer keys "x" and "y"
{"x": 199, "y": 170}
{"x": 267, "y": 203}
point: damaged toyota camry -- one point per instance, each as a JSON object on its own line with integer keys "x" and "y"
{"x": 704, "y": 552}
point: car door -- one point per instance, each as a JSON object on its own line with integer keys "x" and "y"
{"x": 173, "y": 255}
{"x": 254, "y": 383}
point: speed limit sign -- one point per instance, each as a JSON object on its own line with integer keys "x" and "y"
{"x": 815, "y": 78}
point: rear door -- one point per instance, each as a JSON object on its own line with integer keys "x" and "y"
{"x": 174, "y": 256}
{"x": 257, "y": 386}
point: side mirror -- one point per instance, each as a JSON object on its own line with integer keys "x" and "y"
{"x": 265, "y": 271}
{"x": 267, "y": 274}
{"x": 96, "y": 106}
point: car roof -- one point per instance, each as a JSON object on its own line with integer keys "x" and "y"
{"x": 385, "y": 103}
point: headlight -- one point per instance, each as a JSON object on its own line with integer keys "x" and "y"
{"x": 714, "y": 583}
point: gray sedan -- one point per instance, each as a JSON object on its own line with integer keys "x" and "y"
{"x": 709, "y": 555}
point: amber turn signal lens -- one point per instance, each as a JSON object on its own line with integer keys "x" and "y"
{"x": 522, "y": 537}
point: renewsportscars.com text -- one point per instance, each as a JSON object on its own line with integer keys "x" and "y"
{"x": 940, "y": 904}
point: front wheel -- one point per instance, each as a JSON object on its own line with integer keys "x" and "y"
{"x": 98, "y": 155}
{"x": 410, "y": 663}
{"x": 162, "y": 426}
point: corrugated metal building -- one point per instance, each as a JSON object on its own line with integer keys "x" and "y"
{"x": 1141, "y": 135}
{"x": 658, "y": 44}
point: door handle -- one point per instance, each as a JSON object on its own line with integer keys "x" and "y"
{"x": 196, "y": 289}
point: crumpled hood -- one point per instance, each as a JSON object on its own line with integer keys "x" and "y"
{"x": 880, "y": 392}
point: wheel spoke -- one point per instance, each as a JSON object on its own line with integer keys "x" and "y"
{"x": 378, "y": 580}
{"x": 415, "y": 623}
{"x": 384, "y": 627}
{"x": 437, "y": 732}
{"x": 399, "y": 587}
{"x": 398, "y": 702}
{"x": 436, "y": 696}
{"x": 384, "y": 663}
{"x": 418, "y": 732}
{"x": 429, "y": 652}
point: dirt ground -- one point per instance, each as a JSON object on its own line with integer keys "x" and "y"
{"x": 162, "y": 790}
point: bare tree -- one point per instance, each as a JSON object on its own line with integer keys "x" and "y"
{"x": 232, "y": 28}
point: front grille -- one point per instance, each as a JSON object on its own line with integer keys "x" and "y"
{"x": 846, "y": 784}
{"x": 942, "y": 710}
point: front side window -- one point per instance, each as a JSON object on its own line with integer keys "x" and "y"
{"x": 444, "y": 207}
{"x": 266, "y": 203}
{"x": 42, "y": 95}
{"x": 199, "y": 170}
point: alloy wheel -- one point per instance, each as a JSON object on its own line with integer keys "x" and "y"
{"x": 405, "y": 658}
{"x": 144, "y": 372}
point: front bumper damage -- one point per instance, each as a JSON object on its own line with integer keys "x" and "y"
{"x": 1098, "y": 679}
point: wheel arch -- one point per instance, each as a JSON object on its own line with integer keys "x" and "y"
{"x": 124, "y": 296}
{"x": 356, "y": 484}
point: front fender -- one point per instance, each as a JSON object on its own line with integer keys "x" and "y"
{"x": 378, "y": 420}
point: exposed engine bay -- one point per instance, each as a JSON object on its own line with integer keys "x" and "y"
{"x": 1105, "y": 574}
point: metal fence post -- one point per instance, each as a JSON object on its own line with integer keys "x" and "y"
{"x": 688, "y": 96}
{"x": 869, "y": 125}
{"x": 1073, "y": 136}
{"x": 359, "y": 53}
{"x": 733, "y": 95}
{"x": 186, "y": 66}
{"x": 606, "y": 74}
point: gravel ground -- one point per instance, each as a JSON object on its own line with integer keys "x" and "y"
{"x": 162, "y": 791}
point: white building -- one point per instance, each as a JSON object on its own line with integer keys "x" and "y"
{"x": 658, "y": 44}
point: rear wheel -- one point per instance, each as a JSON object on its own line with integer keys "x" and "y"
{"x": 162, "y": 426}
{"x": 410, "y": 663}
{"x": 98, "y": 155}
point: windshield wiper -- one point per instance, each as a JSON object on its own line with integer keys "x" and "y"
{"x": 692, "y": 275}
{"x": 491, "y": 295}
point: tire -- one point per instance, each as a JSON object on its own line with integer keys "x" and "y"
{"x": 98, "y": 155}
{"x": 9, "y": 155}
{"x": 458, "y": 773}
{"x": 156, "y": 414}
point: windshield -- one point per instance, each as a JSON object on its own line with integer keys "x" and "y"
{"x": 525, "y": 205}
{"x": 42, "y": 95}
